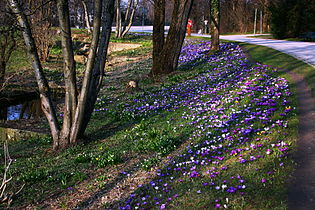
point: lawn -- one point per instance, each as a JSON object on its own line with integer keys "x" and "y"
{"x": 219, "y": 133}
{"x": 282, "y": 61}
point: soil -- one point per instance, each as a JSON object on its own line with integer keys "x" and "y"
{"x": 114, "y": 47}
{"x": 301, "y": 192}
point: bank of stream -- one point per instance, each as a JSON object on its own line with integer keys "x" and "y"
{"x": 20, "y": 108}
{"x": 26, "y": 109}
{"x": 21, "y": 116}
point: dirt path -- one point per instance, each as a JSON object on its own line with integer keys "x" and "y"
{"x": 301, "y": 187}
{"x": 301, "y": 193}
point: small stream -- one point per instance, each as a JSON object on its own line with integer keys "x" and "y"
{"x": 23, "y": 110}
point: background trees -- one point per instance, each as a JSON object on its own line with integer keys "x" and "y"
{"x": 238, "y": 15}
{"x": 8, "y": 39}
{"x": 125, "y": 16}
{"x": 290, "y": 18}
{"x": 41, "y": 24}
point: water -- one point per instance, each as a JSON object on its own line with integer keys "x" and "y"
{"x": 26, "y": 110}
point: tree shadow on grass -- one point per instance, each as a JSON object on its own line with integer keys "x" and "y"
{"x": 301, "y": 188}
{"x": 122, "y": 177}
{"x": 109, "y": 186}
{"x": 185, "y": 187}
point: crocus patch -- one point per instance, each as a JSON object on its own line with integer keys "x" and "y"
{"x": 234, "y": 108}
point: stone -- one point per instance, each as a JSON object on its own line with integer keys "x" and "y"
{"x": 11, "y": 134}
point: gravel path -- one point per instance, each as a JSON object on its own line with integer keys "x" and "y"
{"x": 301, "y": 192}
{"x": 301, "y": 188}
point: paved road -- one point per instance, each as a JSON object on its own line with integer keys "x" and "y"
{"x": 304, "y": 51}
{"x": 144, "y": 29}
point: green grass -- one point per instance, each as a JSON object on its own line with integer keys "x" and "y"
{"x": 299, "y": 40}
{"x": 145, "y": 41}
{"x": 283, "y": 61}
{"x": 79, "y": 30}
{"x": 144, "y": 50}
{"x": 18, "y": 60}
{"x": 262, "y": 36}
{"x": 114, "y": 141}
{"x": 117, "y": 139}
{"x": 131, "y": 38}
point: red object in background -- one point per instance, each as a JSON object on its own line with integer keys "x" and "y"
{"x": 189, "y": 25}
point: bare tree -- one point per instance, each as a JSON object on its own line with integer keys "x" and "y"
{"x": 238, "y": 15}
{"x": 78, "y": 106}
{"x": 118, "y": 19}
{"x": 86, "y": 16}
{"x": 123, "y": 25}
{"x": 41, "y": 13}
{"x": 215, "y": 24}
{"x": 8, "y": 39}
{"x": 166, "y": 53}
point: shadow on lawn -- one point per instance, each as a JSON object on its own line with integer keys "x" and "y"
{"x": 185, "y": 188}
{"x": 108, "y": 187}
{"x": 301, "y": 187}
{"x": 267, "y": 191}
{"x": 119, "y": 179}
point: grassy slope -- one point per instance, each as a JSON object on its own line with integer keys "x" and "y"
{"x": 283, "y": 61}
{"x": 273, "y": 193}
{"x": 47, "y": 173}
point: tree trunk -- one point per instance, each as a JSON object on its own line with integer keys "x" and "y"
{"x": 158, "y": 34}
{"x": 129, "y": 6}
{"x": 118, "y": 19}
{"x": 128, "y": 26}
{"x": 77, "y": 113}
{"x": 215, "y": 24}
{"x": 99, "y": 66}
{"x": 166, "y": 60}
{"x": 47, "y": 105}
{"x": 80, "y": 111}
{"x": 87, "y": 18}
{"x": 123, "y": 26}
{"x": 69, "y": 73}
